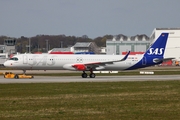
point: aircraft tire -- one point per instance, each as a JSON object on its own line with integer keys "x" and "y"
{"x": 84, "y": 75}
{"x": 92, "y": 75}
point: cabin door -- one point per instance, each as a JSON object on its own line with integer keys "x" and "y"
{"x": 25, "y": 59}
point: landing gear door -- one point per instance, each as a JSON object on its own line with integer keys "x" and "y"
{"x": 25, "y": 59}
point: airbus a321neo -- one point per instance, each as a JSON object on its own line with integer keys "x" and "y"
{"x": 154, "y": 55}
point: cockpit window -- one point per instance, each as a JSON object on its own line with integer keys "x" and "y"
{"x": 14, "y": 58}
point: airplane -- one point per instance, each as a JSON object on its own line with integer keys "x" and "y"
{"x": 153, "y": 56}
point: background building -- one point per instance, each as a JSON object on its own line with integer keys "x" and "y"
{"x": 122, "y": 43}
{"x": 10, "y": 46}
{"x": 86, "y": 47}
{"x": 7, "y": 49}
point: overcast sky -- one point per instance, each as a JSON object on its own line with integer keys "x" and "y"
{"x": 93, "y": 18}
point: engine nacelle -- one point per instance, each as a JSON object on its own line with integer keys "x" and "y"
{"x": 81, "y": 67}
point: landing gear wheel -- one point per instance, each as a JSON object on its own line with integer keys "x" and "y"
{"x": 16, "y": 76}
{"x": 84, "y": 75}
{"x": 92, "y": 75}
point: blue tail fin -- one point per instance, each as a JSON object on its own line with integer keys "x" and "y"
{"x": 158, "y": 47}
{"x": 154, "y": 55}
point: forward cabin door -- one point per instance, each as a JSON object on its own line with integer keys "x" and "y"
{"x": 25, "y": 59}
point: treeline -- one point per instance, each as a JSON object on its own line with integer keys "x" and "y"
{"x": 39, "y": 42}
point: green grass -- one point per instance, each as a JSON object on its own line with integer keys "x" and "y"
{"x": 148, "y": 100}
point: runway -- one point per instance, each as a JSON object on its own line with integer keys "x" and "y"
{"x": 50, "y": 79}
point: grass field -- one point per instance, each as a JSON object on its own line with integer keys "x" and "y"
{"x": 148, "y": 100}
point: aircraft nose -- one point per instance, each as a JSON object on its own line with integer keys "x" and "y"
{"x": 6, "y": 64}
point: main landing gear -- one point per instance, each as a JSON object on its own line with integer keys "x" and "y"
{"x": 91, "y": 75}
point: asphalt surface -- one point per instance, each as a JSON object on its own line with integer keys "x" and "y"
{"x": 48, "y": 79}
{"x": 61, "y": 79}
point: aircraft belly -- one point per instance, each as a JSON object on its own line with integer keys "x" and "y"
{"x": 48, "y": 67}
{"x": 117, "y": 66}
{"x": 41, "y": 67}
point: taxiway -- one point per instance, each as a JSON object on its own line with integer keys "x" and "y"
{"x": 51, "y": 79}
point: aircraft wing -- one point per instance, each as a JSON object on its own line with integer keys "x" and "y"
{"x": 110, "y": 62}
{"x": 97, "y": 65}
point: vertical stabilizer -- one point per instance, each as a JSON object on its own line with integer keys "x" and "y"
{"x": 157, "y": 49}
{"x": 154, "y": 55}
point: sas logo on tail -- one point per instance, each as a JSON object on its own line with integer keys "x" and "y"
{"x": 156, "y": 51}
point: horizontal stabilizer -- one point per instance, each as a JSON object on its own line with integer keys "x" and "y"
{"x": 162, "y": 60}
{"x": 167, "y": 59}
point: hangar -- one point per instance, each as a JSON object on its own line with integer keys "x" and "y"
{"x": 140, "y": 43}
{"x": 122, "y": 43}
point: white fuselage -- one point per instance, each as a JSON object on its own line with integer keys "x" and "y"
{"x": 62, "y": 62}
